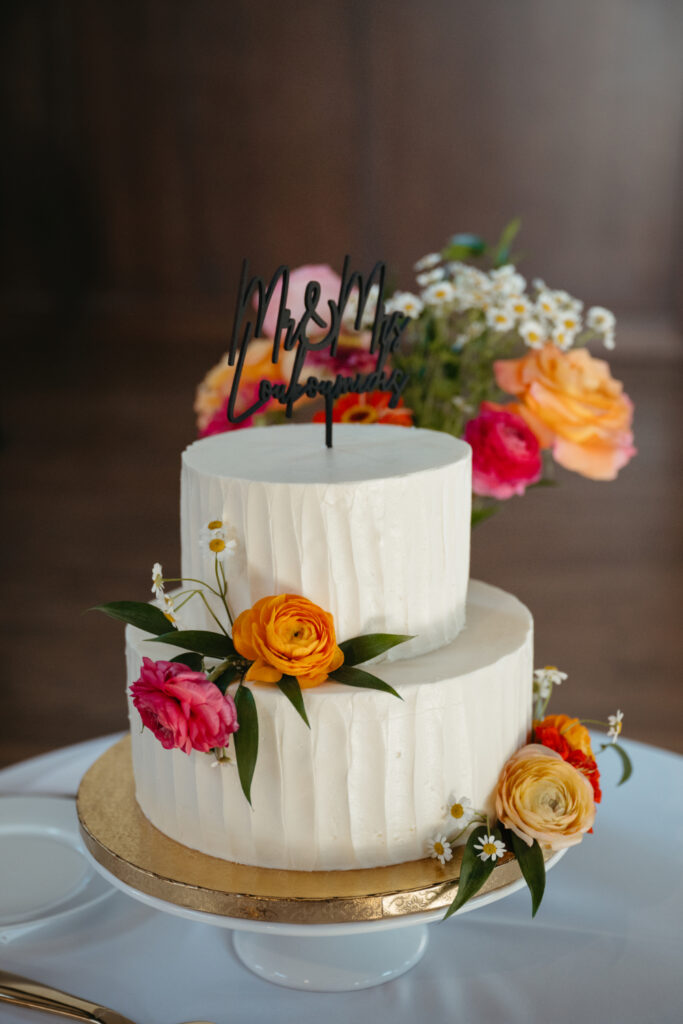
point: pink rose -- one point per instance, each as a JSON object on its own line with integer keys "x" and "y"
{"x": 506, "y": 455}
{"x": 183, "y": 708}
{"x": 299, "y": 278}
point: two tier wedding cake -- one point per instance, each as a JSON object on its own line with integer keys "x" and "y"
{"x": 375, "y": 531}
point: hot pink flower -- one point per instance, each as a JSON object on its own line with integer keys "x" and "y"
{"x": 329, "y": 282}
{"x": 506, "y": 455}
{"x": 183, "y": 708}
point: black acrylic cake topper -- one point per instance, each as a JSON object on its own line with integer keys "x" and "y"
{"x": 386, "y": 332}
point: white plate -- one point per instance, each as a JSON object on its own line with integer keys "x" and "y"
{"x": 44, "y": 873}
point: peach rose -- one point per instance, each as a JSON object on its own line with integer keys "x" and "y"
{"x": 541, "y": 796}
{"x": 287, "y": 635}
{"x": 574, "y": 406}
{"x": 576, "y": 735}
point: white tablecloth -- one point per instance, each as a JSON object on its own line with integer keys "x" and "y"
{"x": 606, "y": 945}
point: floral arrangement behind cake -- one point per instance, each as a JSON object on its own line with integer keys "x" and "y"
{"x": 495, "y": 361}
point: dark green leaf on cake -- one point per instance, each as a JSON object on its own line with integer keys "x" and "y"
{"x": 246, "y": 738}
{"x": 193, "y": 661}
{"x": 474, "y": 871}
{"x": 137, "y": 613}
{"x": 232, "y": 671}
{"x": 532, "y": 866}
{"x": 292, "y": 691}
{"x": 211, "y": 645}
{"x": 364, "y": 648}
{"x": 351, "y": 676}
{"x": 626, "y": 765}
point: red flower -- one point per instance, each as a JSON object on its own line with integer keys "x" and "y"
{"x": 551, "y": 737}
{"x": 368, "y": 408}
{"x": 588, "y": 767}
{"x": 506, "y": 455}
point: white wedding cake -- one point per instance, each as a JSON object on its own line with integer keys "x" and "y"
{"x": 376, "y": 531}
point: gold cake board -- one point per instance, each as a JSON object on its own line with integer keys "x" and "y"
{"x": 124, "y": 843}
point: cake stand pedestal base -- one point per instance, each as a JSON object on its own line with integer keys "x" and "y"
{"x": 333, "y": 964}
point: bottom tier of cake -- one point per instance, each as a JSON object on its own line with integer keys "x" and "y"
{"x": 369, "y": 783}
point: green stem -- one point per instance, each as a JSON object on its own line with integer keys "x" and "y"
{"x": 189, "y": 579}
{"x": 222, "y": 587}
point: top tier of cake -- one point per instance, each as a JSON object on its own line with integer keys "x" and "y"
{"x": 376, "y": 530}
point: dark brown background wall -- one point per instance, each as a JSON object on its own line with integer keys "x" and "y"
{"x": 147, "y": 146}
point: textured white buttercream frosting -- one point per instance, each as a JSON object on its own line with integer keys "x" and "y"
{"x": 368, "y": 783}
{"x": 375, "y": 530}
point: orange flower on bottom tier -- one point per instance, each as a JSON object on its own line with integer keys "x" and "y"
{"x": 540, "y": 796}
{"x": 372, "y": 407}
{"x": 570, "y": 729}
{"x": 287, "y": 635}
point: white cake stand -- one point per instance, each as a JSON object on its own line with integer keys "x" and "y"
{"x": 326, "y": 957}
{"x": 320, "y": 931}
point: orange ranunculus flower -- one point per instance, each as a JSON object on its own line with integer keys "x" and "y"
{"x": 541, "y": 796}
{"x": 576, "y": 735}
{"x": 574, "y": 406}
{"x": 287, "y": 635}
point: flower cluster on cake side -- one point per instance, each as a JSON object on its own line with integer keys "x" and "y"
{"x": 546, "y": 799}
{"x": 199, "y": 699}
{"x": 490, "y": 358}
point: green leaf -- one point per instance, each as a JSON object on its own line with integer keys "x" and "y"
{"x": 211, "y": 645}
{"x": 351, "y": 676}
{"x": 627, "y": 766}
{"x": 137, "y": 613}
{"x": 363, "y": 648}
{"x": 464, "y": 246}
{"x": 193, "y": 661}
{"x": 502, "y": 253}
{"x": 479, "y": 515}
{"x": 474, "y": 871}
{"x": 232, "y": 673}
{"x": 246, "y": 738}
{"x": 532, "y": 865}
{"x": 292, "y": 691}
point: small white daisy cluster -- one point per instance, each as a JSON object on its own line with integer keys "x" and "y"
{"x": 460, "y": 814}
{"x": 615, "y": 726}
{"x": 545, "y": 679}
{"x": 501, "y": 295}
{"x": 218, "y": 540}
{"x": 165, "y": 601}
{"x": 490, "y": 847}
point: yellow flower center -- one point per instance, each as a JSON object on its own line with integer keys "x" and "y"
{"x": 550, "y": 668}
{"x": 360, "y": 414}
{"x": 217, "y": 544}
{"x": 438, "y": 848}
{"x": 215, "y": 524}
{"x": 170, "y": 618}
{"x": 489, "y": 848}
{"x": 617, "y": 727}
{"x": 457, "y": 811}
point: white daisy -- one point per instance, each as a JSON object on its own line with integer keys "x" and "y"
{"x": 499, "y": 319}
{"x": 518, "y": 306}
{"x": 406, "y": 303}
{"x": 500, "y": 273}
{"x": 510, "y": 284}
{"x": 601, "y": 319}
{"x": 608, "y": 340}
{"x": 563, "y": 300}
{"x": 546, "y": 304}
{"x": 439, "y": 294}
{"x": 533, "y": 333}
{"x": 546, "y": 678}
{"x": 569, "y": 321}
{"x": 439, "y": 848}
{"x": 460, "y": 811}
{"x": 218, "y": 540}
{"x": 157, "y": 580}
{"x": 489, "y": 846}
{"x": 168, "y": 609}
{"x": 432, "y": 259}
{"x": 430, "y": 276}
{"x": 539, "y": 284}
{"x": 615, "y": 726}
{"x": 563, "y": 339}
